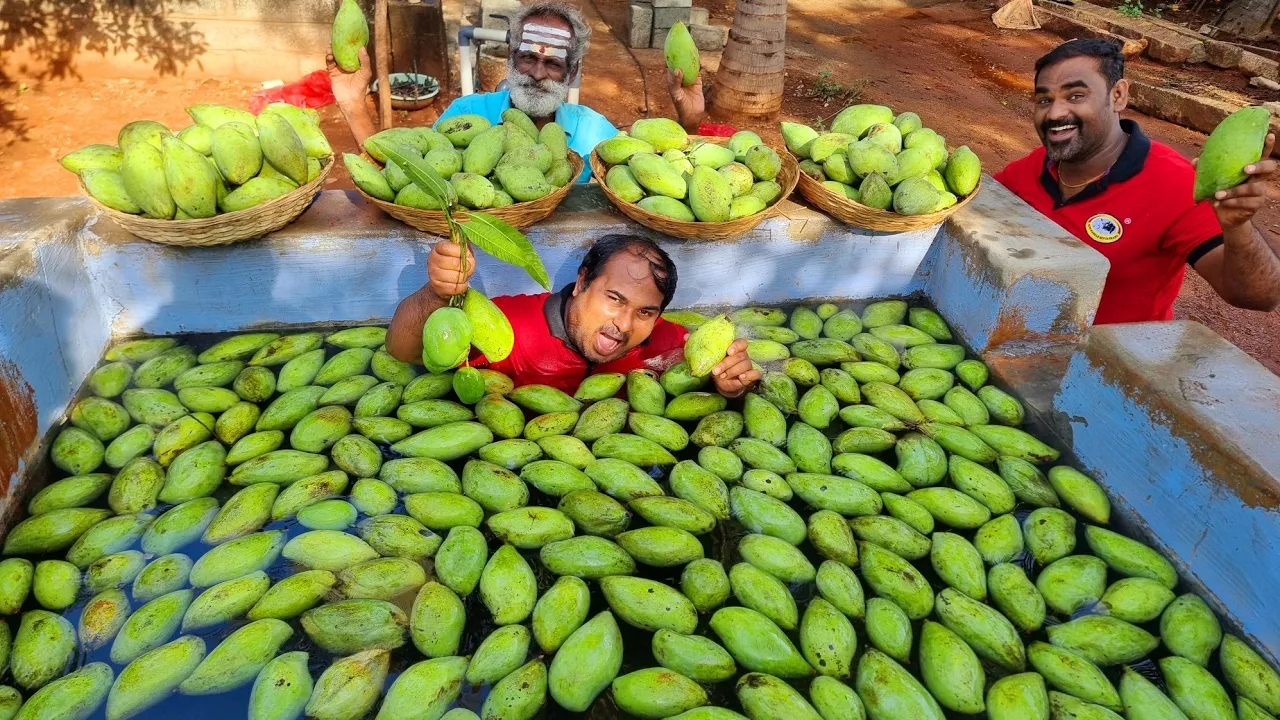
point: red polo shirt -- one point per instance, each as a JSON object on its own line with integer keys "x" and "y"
{"x": 543, "y": 353}
{"x": 1140, "y": 215}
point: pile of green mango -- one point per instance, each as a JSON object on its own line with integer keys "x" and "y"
{"x": 488, "y": 166}
{"x": 302, "y": 524}
{"x": 885, "y": 161}
{"x": 658, "y": 167}
{"x": 228, "y": 160}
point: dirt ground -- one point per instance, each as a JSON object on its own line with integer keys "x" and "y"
{"x": 967, "y": 79}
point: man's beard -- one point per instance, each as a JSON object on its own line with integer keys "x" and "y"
{"x": 1069, "y": 151}
{"x": 537, "y": 98}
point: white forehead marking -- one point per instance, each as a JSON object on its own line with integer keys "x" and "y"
{"x": 544, "y": 50}
{"x": 546, "y": 30}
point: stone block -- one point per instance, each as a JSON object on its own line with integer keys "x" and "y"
{"x": 660, "y": 37}
{"x": 490, "y": 8}
{"x": 699, "y": 16}
{"x": 639, "y": 25}
{"x": 709, "y": 37}
{"x": 673, "y": 3}
{"x": 668, "y": 17}
{"x": 1222, "y": 54}
{"x": 1253, "y": 64}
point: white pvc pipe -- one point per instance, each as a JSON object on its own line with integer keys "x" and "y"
{"x": 490, "y": 34}
{"x": 464, "y": 69}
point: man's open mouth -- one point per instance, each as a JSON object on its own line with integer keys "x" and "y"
{"x": 1062, "y": 132}
{"x": 607, "y": 344}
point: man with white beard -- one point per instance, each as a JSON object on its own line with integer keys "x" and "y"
{"x": 548, "y": 43}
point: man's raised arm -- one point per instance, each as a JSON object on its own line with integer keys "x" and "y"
{"x": 445, "y": 278}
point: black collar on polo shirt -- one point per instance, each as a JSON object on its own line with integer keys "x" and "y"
{"x": 556, "y": 311}
{"x": 1130, "y": 163}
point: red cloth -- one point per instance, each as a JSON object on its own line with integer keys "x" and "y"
{"x": 1141, "y": 216}
{"x": 540, "y": 357}
{"x": 716, "y": 130}
{"x": 312, "y": 91}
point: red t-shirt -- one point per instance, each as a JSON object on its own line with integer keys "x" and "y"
{"x": 1140, "y": 215}
{"x": 544, "y": 355}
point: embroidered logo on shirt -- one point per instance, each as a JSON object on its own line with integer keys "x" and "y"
{"x": 1104, "y": 228}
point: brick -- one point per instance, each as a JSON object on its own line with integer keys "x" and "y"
{"x": 660, "y": 37}
{"x": 668, "y": 17}
{"x": 700, "y": 16}
{"x": 639, "y": 25}
{"x": 673, "y": 3}
{"x": 709, "y": 37}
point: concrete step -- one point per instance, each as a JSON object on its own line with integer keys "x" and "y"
{"x": 1163, "y": 44}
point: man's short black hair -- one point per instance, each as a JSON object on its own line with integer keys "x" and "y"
{"x": 661, "y": 266}
{"x": 1107, "y": 52}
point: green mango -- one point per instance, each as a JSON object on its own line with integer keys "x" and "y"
{"x": 633, "y": 449}
{"x": 1249, "y": 674}
{"x": 494, "y": 488}
{"x": 446, "y": 442}
{"x": 350, "y": 687}
{"x": 952, "y": 507}
{"x": 418, "y": 475}
{"x": 555, "y": 478}
{"x": 1026, "y": 481}
{"x": 1000, "y": 540}
{"x": 378, "y": 401}
{"x": 1130, "y": 557}
{"x": 331, "y": 550}
{"x": 959, "y": 564}
{"x": 1236, "y": 142}
{"x": 937, "y": 412}
{"x": 290, "y": 408}
{"x": 600, "y": 419}
{"x": 499, "y": 654}
{"x": 393, "y": 535}
{"x": 807, "y": 447}
{"x": 76, "y": 451}
{"x": 542, "y": 399}
{"x": 830, "y": 535}
{"x": 436, "y": 621}
{"x": 254, "y": 444}
{"x": 531, "y": 528}
{"x": 891, "y": 534}
{"x": 349, "y": 390}
{"x": 655, "y": 428}
{"x": 102, "y": 418}
{"x": 678, "y": 379}
{"x": 1144, "y": 701}
{"x": 16, "y": 576}
{"x": 769, "y": 483}
{"x": 388, "y": 369}
{"x": 869, "y": 471}
{"x": 308, "y": 491}
{"x": 1136, "y": 600}
{"x": 1072, "y": 708}
{"x": 424, "y": 689}
{"x": 777, "y": 557}
{"x": 674, "y": 512}
{"x": 74, "y": 696}
{"x": 697, "y": 658}
{"x": 245, "y": 512}
{"x": 1103, "y": 640}
{"x": 693, "y": 406}
{"x": 128, "y": 445}
{"x": 73, "y": 492}
{"x": 1190, "y": 629}
{"x": 351, "y": 625}
{"x": 757, "y": 644}
{"x": 1195, "y": 690}
{"x": 238, "y": 659}
{"x": 501, "y": 416}
{"x": 559, "y": 613}
{"x": 760, "y": 455}
{"x": 718, "y": 428}
{"x": 1018, "y": 697}
{"x": 911, "y": 512}
{"x": 657, "y": 692}
{"x": 1050, "y": 534}
{"x": 759, "y": 513}
{"x": 508, "y": 586}
{"x": 1072, "y": 582}
{"x": 622, "y": 479}
{"x": 549, "y": 425}
{"x": 1074, "y": 675}
{"x": 587, "y": 557}
{"x": 382, "y": 430}
{"x": 959, "y": 441}
{"x": 838, "y": 585}
{"x": 950, "y": 670}
{"x": 225, "y": 601}
{"x": 164, "y": 368}
{"x": 183, "y": 434}
{"x": 827, "y": 639}
{"x": 704, "y": 489}
{"x": 357, "y": 455}
{"x": 102, "y": 618}
{"x": 114, "y": 571}
{"x": 433, "y": 413}
{"x": 595, "y": 513}
{"x": 1015, "y": 596}
{"x": 889, "y": 691}
{"x": 42, "y": 648}
{"x": 293, "y": 595}
{"x": 649, "y": 605}
{"x": 178, "y": 526}
{"x": 150, "y": 626}
{"x": 767, "y": 697}
{"x": 1249, "y": 710}
{"x": 981, "y": 484}
{"x": 385, "y": 578}
{"x": 989, "y": 633}
{"x": 760, "y": 591}
{"x": 520, "y": 695}
{"x": 645, "y": 394}
{"x": 706, "y": 584}
{"x": 153, "y": 676}
{"x": 838, "y": 494}
{"x": 889, "y": 575}
{"x": 107, "y": 537}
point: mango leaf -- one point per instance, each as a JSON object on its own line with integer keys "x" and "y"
{"x": 499, "y": 239}
{"x": 422, "y": 174}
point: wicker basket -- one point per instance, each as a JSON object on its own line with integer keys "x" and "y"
{"x": 729, "y": 230}
{"x": 853, "y": 213}
{"x": 519, "y": 215}
{"x": 226, "y": 228}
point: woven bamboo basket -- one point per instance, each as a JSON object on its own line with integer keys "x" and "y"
{"x": 853, "y": 213}
{"x": 225, "y": 228}
{"x": 519, "y": 215}
{"x": 729, "y": 230}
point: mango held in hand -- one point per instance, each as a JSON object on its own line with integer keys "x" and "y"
{"x": 350, "y": 33}
{"x": 1235, "y": 143}
{"x": 446, "y": 339}
{"x": 682, "y": 54}
{"x": 708, "y": 345}
{"x": 491, "y": 332}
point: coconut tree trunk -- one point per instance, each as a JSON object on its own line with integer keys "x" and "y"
{"x": 1249, "y": 19}
{"x": 750, "y": 78}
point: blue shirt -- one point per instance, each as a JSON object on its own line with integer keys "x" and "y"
{"x": 583, "y": 126}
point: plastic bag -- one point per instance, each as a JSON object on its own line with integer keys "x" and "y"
{"x": 312, "y": 91}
